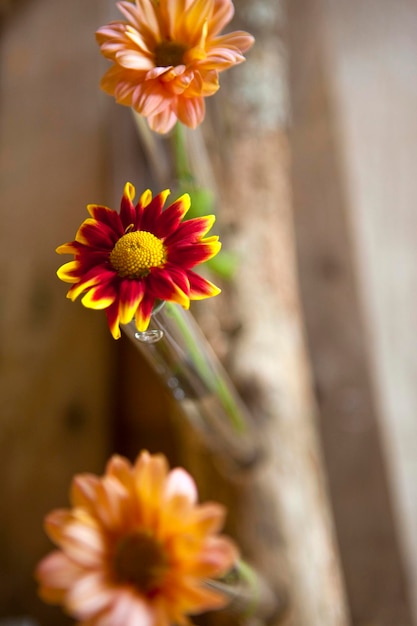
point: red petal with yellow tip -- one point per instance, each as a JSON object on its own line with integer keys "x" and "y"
{"x": 172, "y": 216}
{"x": 200, "y": 287}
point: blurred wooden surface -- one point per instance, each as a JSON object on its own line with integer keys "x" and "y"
{"x": 54, "y": 355}
{"x": 371, "y": 49}
{"x": 353, "y": 86}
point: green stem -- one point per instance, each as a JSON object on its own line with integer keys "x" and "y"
{"x": 182, "y": 167}
{"x": 248, "y": 592}
{"x": 209, "y": 374}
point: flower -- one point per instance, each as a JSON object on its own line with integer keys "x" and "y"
{"x": 167, "y": 57}
{"x": 136, "y": 548}
{"x": 124, "y": 262}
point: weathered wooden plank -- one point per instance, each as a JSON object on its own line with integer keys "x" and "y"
{"x": 339, "y": 344}
{"x": 54, "y": 355}
{"x": 372, "y": 49}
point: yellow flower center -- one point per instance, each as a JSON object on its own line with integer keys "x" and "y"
{"x": 141, "y": 561}
{"x": 169, "y": 53}
{"x": 136, "y": 253}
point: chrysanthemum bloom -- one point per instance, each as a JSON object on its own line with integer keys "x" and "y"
{"x": 136, "y": 548}
{"x": 167, "y": 57}
{"x": 124, "y": 262}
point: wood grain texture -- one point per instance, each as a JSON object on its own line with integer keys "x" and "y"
{"x": 54, "y": 355}
{"x": 337, "y": 334}
{"x": 371, "y": 49}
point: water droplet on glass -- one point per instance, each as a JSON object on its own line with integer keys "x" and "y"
{"x": 149, "y": 336}
{"x": 178, "y": 393}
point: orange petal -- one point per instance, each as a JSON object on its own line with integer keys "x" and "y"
{"x": 56, "y": 573}
{"x": 88, "y": 595}
{"x": 191, "y": 111}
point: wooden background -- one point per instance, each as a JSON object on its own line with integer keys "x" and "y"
{"x": 330, "y": 88}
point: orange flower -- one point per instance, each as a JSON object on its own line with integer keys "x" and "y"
{"x": 167, "y": 57}
{"x": 136, "y": 548}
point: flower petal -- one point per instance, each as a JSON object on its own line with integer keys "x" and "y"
{"x": 56, "y": 573}
{"x": 130, "y": 610}
{"x": 55, "y": 522}
{"x": 194, "y": 20}
{"x": 145, "y": 198}
{"x": 190, "y": 231}
{"x": 127, "y": 210}
{"x": 71, "y": 247}
{"x": 96, "y": 234}
{"x": 191, "y": 111}
{"x": 84, "y": 491}
{"x": 69, "y": 272}
{"x": 180, "y": 483}
{"x": 152, "y": 212}
{"x": 111, "y": 504}
{"x": 200, "y": 287}
{"x": 130, "y": 294}
{"x": 88, "y": 595}
{"x": 83, "y": 544}
{"x": 112, "y": 313}
{"x": 121, "y": 469}
{"x": 172, "y": 13}
{"x": 95, "y": 276}
{"x": 134, "y": 60}
{"x": 100, "y": 297}
{"x": 150, "y": 475}
{"x": 238, "y": 40}
{"x": 106, "y": 216}
{"x": 218, "y": 557}
{"x": 162, "y": 122}
{"x": 120, "y": 83}
{"x": 149, "y": 99}
{"x": 161, "y": 282}
{"x": 143, "y": 17}
{"x": 223, "y": 11}
{"x": 172, "y": 216}
{"x": 208, "y": 518}
{"x": 192, "y": 254}
{"x": 144, "y": 312}
{"x": 195, "y": 598}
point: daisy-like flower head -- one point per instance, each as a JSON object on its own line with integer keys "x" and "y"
{"x": 135, "y": 548}
{"x": 167, "y": 56}
{"x": 124, "y": 262}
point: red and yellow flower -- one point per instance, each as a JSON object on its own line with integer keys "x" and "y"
{"x": 124, "y": 262}
{"x": 135, "y": 548}
{"x": 167, "y": 56}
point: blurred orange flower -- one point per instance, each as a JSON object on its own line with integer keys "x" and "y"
{"x": 136, "y": 548}
{"x": 167, "y": 57}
